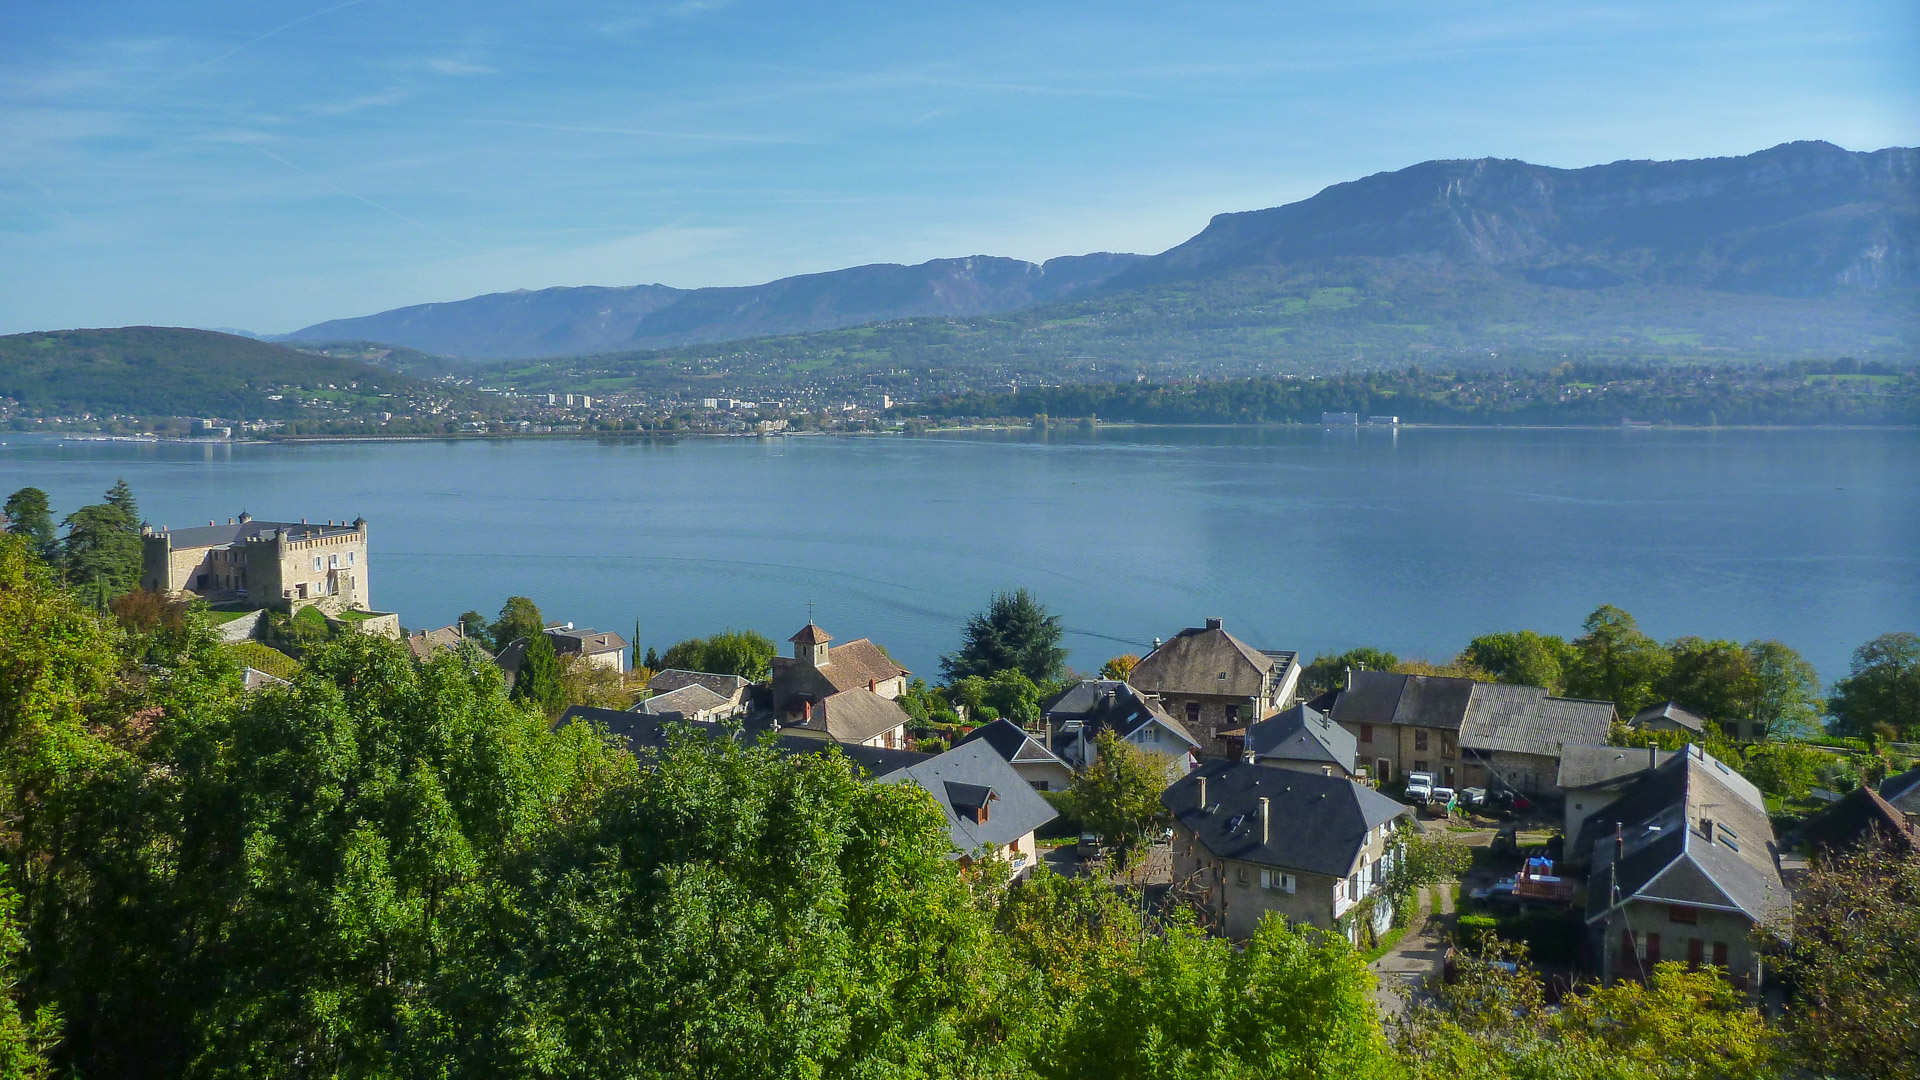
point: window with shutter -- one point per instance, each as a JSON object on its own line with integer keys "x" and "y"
{"x": 1696, "y": 952}
{"x": 1720, "y": 954}
{"x": 1653, "y": 949}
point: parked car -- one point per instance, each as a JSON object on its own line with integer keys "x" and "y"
{"x": 1473, "y": 798}
{"x": 1419, "y": 787}
{"x": 1507, "y": 840}
{"x": 1440, "y": 798}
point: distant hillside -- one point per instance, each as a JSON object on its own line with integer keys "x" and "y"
{"x": 167, "y": 371}
{"x": 572, "y": 321}
{"x": 1800, "y": 219}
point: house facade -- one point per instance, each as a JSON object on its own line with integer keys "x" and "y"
{"x": 1683, "y": 866}
{"x": 1041, "y": 768}
{"x": 278, "y": 564}
{"x": 1215, "y": 684}
{"x": 1077, "y": 716}
{"x": 1464, "y": 733}
{"x": 1249, "y": 841}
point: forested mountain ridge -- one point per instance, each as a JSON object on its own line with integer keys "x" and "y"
{"x": 173, "y": 371}
{"x": 1799, "y": 219}
{"x": 570, "y": 321}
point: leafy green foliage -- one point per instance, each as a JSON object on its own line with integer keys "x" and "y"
{"x": 1007, "y": 693}
{"x": 29, "y": 515}
{"x": 1495, "y": 1023}
{"x": 519, "y": 618}
{"x": 537, "y": 683}
{"x": 1329, "y": 672}
{"x": 265, "y": 658}
{"x": 1786, "y": 690}
{"x": 1416, "y": 859}
{"x": 1523, "y": 658}
{"x": 1881, "y": 694}
{"x": 746, "y": 653}
{"x": 101, "y": 552}
{"x": 1017, "y": 633}
{"x": 1852, "y": 959}
{"x": 1614, "y": 661}
{"x": 26, "y": 1038}
{"x": 1117, "y": 798}
{"x": 1785, "y": 768}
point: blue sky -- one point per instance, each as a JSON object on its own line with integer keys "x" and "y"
{"x": 269, "y": 164}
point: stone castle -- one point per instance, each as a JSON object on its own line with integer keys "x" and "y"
{"x": 278, "y": 564}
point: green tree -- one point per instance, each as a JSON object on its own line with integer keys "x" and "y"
{"x": 538, "y": 681}
{"x": 26, "y": 1037}
{"x": 1118, "y": 797}
{"x": 101, "y": 553}
{"x": 1881, "y": 694}
{"x": 1522, "y": 658}
{"x": 1713, "y": 679}
{"x": 1119, "y": 667}
{"x": 1852, "y": 962}
{"x": 1016, "y": 632}
{"x": 1417, "y": 860}
{"x": 746, "y": 653}
{"x": 519, "y": 618}
{"x": 120, "y": 497}
{"x": 474, "y": 625}
{"x": 30, "y": 515}
{"x": 1329, "y": 671}
{"x": 583, "y": 682}
{"x": 1614, "y": 661}
{"x": 1786, "y": 690}
{"x": 1784, "y": 768}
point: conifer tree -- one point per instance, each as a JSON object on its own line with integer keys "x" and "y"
{"x": 539, "y": 679}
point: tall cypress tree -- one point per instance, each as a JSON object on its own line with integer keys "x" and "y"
{"x": 538, "y": 682}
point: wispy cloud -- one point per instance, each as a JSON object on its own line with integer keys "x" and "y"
{"x": 650, "y": 133}
{"x": 252, "y": 41}
{"x": 452, "y": 67}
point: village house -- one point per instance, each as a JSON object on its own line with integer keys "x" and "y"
{"x": 1075, "y": 718}
{"x": 1302, "y": 739}
{"x": 1464, "y": 733}
{"x": 689, "y": 702}
{"x": 817, "y": 670}
{"x": 1249, "y": 840}
{"x": 1861, "y": 818}
{"x": 731, "y": 688}
{"x": 425, "y": 643}
{"x": 1668, "y": 716}
{"x": 1215, "y": 684}
{"x": 1682, "y": 866}
{"x": 279, "y": 564}
{"x": 990, "y": 810}
{"x": 600, "y": 648}
{"x": 1592, "y": 777}
{"x": 1040, "y": 767}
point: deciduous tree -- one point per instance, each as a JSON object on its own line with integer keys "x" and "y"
{"x": 1614, "y": 661}
{"x": 1881, "y": 694}
{"x": 746, "y": 653}
{"x": 1523, "y": 658}
{"x": 1329, "y": 672}
{"x": 1118, "y": 796}
{"x": 519, "y": 618}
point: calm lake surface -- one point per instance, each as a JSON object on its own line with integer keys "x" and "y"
{"x": 1302, "y": 539}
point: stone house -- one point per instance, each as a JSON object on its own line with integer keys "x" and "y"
{"x": 425, "y": 643}
{"x": 858, "y": 717}
{"x": 1465, "y": 733}
{"x": 601, "y": 648}
{"x": 689, "y": 702}
{"x": 1683, "y": 866}
{"x": 1592, "y": 777}
{"x": 278, "y": 564}
{"x": 1215, "y": 684}
{"x": 1249, "y": 840}
{"x": 1302, "y": 739}
{"x": 1076, "y": 717}
{"x": 1041, "y": 768}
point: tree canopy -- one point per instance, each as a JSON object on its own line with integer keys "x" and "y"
{"x": 1881, "y": 693}
{"x": 1016, "y": 633}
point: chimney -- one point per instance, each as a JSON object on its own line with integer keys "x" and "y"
{"x": 1652, "y": 756}
{"x": 1349, "y": 676}
{"x": 1619, "y": 843}
{"x": 1156, "y": 643}
{"x": 1203, "y": 792}
{"x": 873, "y": 686}
{"x": 806, "y": 708}
{"x": 1213, "y": 623}
{"x": 1266, "y": 820}
{"x": 229, "y": 521}
{"x": 210, "y": 521}
{"x": 1326, "y": 770}
{"x": 1706, "y": 829}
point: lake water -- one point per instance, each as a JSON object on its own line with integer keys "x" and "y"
{"x": 1312, "y": 540}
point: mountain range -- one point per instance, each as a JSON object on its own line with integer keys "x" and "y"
{"x": 1802, "y": 246}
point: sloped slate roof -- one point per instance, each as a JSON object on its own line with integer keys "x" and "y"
{"x": 1373, "y": 698}
{"x": 644, "y": 734}
{"x": 1192, "y": 661}
{"x": 1669, "y": 855}
{"x": 855, "y": 715}
{"x": 426, "y": 642}
{"x": 221, "y": 535}
{"x": 1013, "y": 743}
{"x": 1670, "y": 710}
{"x": 727, "y": 686}
{"x": 1861, "y": 816}
{"x": 1106, "y": 704}
{"x": 1903, "y": 790}
{"x": 1525, "y": 720}
{"x": 810, "y": 635}
{"x": 1302, "y": 733}
{"x": 686, "y": 701}
{"x": 959, "y": 780}
{"x": 588, "y": 642}
{"x": 1591, "y": 766}
{"x": 1317, "y": 823}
